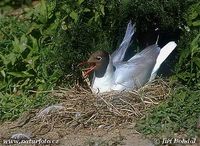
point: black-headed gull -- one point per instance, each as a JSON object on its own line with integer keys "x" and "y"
{"x": 112, "y": 73}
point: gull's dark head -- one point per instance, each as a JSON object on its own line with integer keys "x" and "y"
{"x": 98, "y": 61}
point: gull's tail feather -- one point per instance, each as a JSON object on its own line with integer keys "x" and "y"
{"x": 164, "y": 53}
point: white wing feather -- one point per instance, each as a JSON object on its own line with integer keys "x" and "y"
{"x": 164, "y": 53}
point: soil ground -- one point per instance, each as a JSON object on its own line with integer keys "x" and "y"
{"x": 117, "y": 136}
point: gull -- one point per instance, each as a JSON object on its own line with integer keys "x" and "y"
{"x": 112, "y": 73}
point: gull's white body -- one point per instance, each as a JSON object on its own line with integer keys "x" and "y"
{"x": 135, "y": 72}
{"x": 105, "y": 83}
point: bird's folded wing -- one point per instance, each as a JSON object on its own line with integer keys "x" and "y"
{"x": 134, "y": 74}
{"x": 150, "y": 52}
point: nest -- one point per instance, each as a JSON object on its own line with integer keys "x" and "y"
{"x": 79, "y": 108}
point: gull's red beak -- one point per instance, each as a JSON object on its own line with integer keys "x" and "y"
{"x": 88, "y": 70}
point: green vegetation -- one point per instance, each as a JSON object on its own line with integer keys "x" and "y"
{"x": 40, "y": 48}
{"x": 179, "y": 114}
{"x": 188, "y": 67}
{"x": 28, "y": 62}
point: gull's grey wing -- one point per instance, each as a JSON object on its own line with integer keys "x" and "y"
{"x": 118, "y": 55}
{"x": 150, "y": 52}
{"x": 137, "y": 71}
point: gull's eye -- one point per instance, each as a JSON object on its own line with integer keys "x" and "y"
{"x": 98, "y": 58}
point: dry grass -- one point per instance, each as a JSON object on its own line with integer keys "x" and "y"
{"x": 80, "y": 108}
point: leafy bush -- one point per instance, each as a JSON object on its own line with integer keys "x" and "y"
{"x": 28, "y": 63}
{"x": 188, "y": 67}
{"x": 86, "y": 26}
{"x": 180, "y": 113}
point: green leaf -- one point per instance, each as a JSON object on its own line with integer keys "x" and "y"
{"x": 35, "y": 47}
{"x": 34, "y": 26}
{"x": 86, "y": 10}
{"x": 74, "y": 15}
{"x": 3, "y": 84}
{"x": 26, "y": 82}
{"x": 102, "y": 9}
{"x": 41, "y": 12}
{"x": 196, "y": 23}
{"x": 12, "y": 57}
{"x": 96, "y": 16}
{"x": 5, "y": 62}
{"x": 184, "y": 75}
{"x": 51, "y": 6}
{"x": 193, "y": 14}
{"x": 194, "y": 43}
{"x": 3, "y": 73}
{"x": 20, "y": 45}
{"x": 16, "y": 45}
{"x": 22, "y": 74}
{"x": 196, "y": 60}
{"x": 184, "y": 54}
{"x": 51, "y": 30}
{"x": 23, "y": 40}
{"x": 30, "y": 60}
{"x": 80, "y": 2}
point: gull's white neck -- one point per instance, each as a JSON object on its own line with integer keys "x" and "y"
{"x": 102, "y": 84}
